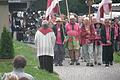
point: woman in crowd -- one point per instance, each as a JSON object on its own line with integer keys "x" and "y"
{"x": 107, "y": 37}
{"x": 98, "y": 44}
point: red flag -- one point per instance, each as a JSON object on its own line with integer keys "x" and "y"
{"x": 52, "y": 7}
{"x": 104, "y": 7}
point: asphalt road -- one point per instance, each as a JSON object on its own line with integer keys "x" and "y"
{"x": 81, "y": 72}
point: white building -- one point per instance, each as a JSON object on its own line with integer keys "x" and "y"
{"x": 115, "y": 9}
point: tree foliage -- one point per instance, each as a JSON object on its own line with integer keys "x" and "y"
{"x": 76, "y": 6}
{"x": 6, "y": 45}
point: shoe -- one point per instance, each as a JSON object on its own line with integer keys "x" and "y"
{"x": 91, "y": 65}
{"x": 95, "y": 62}
{"x": 77, "y": 63}
{"x": 72, "y": 63}
{"x": 99, "y": 64}
{"x": 61, "y": 64}
{"x": 111, "y": 63}
{"x": 56, "y": 64}
{"x": 87, "y": 64}
{"x": 106, "y": 65}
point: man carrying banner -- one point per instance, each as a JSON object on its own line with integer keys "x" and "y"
{"x": 59, "y": 50}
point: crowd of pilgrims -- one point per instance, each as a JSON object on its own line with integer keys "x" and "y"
{"x": 94, "y": 41}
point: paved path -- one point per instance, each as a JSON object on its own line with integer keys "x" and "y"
{"x": 81, "y": 72}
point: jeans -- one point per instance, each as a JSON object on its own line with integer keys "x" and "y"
{"x": 88, "y": 52}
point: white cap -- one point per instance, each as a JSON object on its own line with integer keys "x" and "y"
{"x": 72, "y": 17}
{"x": 58, "y": 19}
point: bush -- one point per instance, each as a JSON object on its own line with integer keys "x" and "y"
{"x": 6, "y": 45}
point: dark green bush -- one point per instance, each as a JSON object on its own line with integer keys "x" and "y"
{"x": 6, "y": 45}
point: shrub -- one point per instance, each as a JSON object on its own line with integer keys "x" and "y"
{"x": 6, "y": 45}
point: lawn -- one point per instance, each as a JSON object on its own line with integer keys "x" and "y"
{"x": 31, "y": 68}
{"x": 117, "y": 57}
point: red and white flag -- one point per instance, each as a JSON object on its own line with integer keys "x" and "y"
{"x": 104, "y": 8}
{"x": 52, "y": 7}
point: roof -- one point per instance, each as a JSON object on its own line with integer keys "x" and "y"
{"x": 113, "y": 4}
{"x": 19, "y": 1}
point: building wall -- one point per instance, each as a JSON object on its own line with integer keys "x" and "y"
{"x": 4, "y": 16}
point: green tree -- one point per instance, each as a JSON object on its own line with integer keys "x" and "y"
{"x": 6, "y": 48}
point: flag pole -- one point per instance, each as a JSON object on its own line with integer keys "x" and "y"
{"x": 67, "y": 10}
{"x": 90, "y": 2}
{"x": 59, "y": 8}
{"x": 111, "y": 12}
{"x": 62, "y": 23}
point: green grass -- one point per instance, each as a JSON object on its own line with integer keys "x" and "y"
{"x": 32, "y": 63}
{"x": 117, "y": 57}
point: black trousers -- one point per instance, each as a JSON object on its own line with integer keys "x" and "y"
{"x": 46, "y": 62}
{"x": 107, "y": 55}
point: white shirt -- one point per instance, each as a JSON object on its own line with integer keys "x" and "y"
{"x": 45, "y": 43}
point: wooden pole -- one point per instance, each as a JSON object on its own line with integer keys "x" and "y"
{"x": 67, "y": 11}
{"x": 89, "y": 13}
{"x": 62, "y": 23}
{"x": 90, "y": 2}
{"x": 59, "y": 8}
{"x": 111, "y": 12}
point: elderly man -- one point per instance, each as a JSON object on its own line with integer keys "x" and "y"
{"x": 45, "y": 41}
{"x": 73, "y": 32}
{"x": 87, "y": 40}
